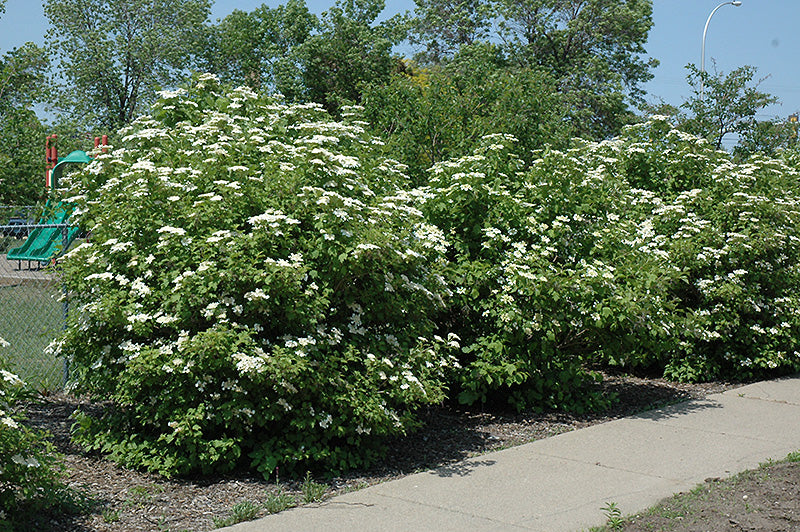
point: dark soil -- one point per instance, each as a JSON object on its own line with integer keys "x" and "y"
{"x": 129, "y": 500}
{"x": 764, "y": 500}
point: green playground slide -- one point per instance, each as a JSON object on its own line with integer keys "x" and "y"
{"x": 45, "y": 243}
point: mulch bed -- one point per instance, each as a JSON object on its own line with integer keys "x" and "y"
{"x": 128, "y": 500}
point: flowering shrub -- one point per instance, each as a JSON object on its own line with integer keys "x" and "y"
{"x": 651, "y": 250}
{"x": 712, "y": 254}
{"x": 732, "y": 230}
{"x": 257, "y": 288}
{"x": 551, "y": 273}
{"x": 29, "y": 468}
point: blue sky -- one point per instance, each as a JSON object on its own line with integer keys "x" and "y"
{"x": 762, "y": 33}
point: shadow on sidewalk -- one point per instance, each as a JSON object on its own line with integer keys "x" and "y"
{"x": 678, "y": 410}
{"x": 461, "y": 469}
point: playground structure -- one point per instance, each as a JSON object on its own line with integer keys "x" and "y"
{"x": 55, "y": 166}
{"x": 52, "y": 235}
{"x": 49, "y": 238}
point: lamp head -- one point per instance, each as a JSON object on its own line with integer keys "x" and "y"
{"x": 736, "y": 3}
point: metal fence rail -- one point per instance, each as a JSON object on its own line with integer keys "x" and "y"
{"x": 32, "y": 312}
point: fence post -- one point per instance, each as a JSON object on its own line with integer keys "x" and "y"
{"x": 65, "y": 302}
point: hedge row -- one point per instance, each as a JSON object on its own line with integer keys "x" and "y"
{"x": 264, "y": 287}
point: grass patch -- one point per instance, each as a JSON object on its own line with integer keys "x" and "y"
{"x": 278, "y": 502}
{"x": 110, "y": 515}
{"x": 241, "y": 512}
{"x": 312, "y": 491}
{"x": 31, "y": 316}
{"x": 139, "y": 496}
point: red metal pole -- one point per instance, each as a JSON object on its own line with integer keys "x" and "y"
{"x": 51, "y": 157}
{"x": 49, "y": 151}
{"x": 47, "y": 162}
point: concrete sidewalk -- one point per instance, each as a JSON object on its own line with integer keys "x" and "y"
{"x": 561, "y": 483}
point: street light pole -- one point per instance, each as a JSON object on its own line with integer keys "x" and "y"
{"x": 735, "y": 3}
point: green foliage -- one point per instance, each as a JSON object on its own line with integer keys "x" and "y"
{"x": 21, "y": 157}
{"x": 766, "y": 137}
{"x": 140, "y": 495}
{"x": 731, "y": 229}
{"x": 548, "y": 272}
{"x": 261, "y": 285}
{"x": 114, "y": 55}
{"x": 240, "y": 513}
{"x": 110, "y": 516}
{"x": 257, "y": 289}
{"x": 653, "y": 250}
{"x": 289, "y": 51}
{"x": 258, "y": 49}
{"x": 593, "y": 48}
{"x": 22, "y": 75}
{"x": 312, "y": 491}
{"x": 614, "y": 520}
{"x": 442, "y": 27}
{"x": 349, "y": 51}
{"x": 429, "y": 115}
{"x": 30, "y": 474}
{"x": 264, "y": 288}
{"x": 278, "y": 502}
{"x": 724, "y": 104}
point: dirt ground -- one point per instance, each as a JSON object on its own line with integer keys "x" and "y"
{"x": 764, "y": 500}
{"x": 127, "y": 500}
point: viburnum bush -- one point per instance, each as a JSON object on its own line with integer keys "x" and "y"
{"x": 732, "y": 230}
{"x": 651, "y": 250}
{"x": 551, "y": 273}
{"x": 257, "y": 289}
{"x": 30, "y": 470}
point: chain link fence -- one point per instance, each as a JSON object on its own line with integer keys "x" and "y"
{"x": 32, "y": 306}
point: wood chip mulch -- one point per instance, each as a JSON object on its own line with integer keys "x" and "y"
{"x": 128, "y": 500}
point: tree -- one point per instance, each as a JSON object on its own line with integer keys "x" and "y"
{"x": 22, "y": 79}
{"x": 231, "y": 49}
{"x": 257, "y": 49}
{"x": 593, "y": 48}
{"x": 115, "y": 54}
{"x": 728, "y": 104}
{"x": 21, "y": 157}
{"x": 443, "y": 26}
{"x": 429, "y": 115}
{"x": 290, "y": 51}
{"x": 766, "y": 137}
{"x": 348, "y": 52}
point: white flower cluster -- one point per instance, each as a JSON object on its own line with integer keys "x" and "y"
{"x": 171, "y": 230}
{"x": 8, "y": 381}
